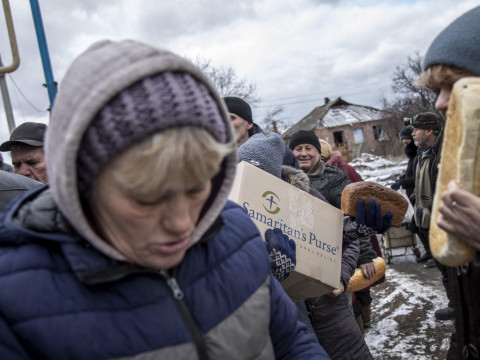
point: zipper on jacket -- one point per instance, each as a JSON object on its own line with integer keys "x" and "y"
{"x": 178, "y": 295}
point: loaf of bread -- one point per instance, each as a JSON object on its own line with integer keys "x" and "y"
{"x": 389, "y": 199}
{"x": 358, "y": 281}
{"x": 460, "y": 161}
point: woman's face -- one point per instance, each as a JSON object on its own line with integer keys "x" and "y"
{"x": 151, "y": 231}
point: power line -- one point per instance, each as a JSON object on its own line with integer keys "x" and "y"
{"x": 23, "y": 95}
{"x": 334, "y": 90}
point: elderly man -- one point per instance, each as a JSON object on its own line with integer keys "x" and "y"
{"x": 26, "y": 150}
{"x": 328, "y": 180}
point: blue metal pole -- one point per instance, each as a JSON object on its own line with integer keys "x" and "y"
{"x": 42, "y": 44}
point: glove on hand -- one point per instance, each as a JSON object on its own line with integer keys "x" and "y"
{"x": 396, "y": 185}
{"x": 372, "y": 217}
{"x": 282, "y": 253}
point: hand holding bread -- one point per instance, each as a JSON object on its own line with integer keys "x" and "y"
{"x": 460, "y": 161}
{"x": 358, "y": 281}
{"x": 388, "y": 200}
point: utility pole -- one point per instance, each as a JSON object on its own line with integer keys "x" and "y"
{"x": 42, "y": 44}
{"x": 6, "y": 100}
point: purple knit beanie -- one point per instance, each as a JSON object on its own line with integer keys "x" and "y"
{"x": 153, "y": 104}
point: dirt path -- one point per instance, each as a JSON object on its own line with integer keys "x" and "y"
{"x": 403, "y": 321}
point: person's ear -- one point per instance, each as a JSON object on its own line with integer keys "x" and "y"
{"x": 249, "y": 125}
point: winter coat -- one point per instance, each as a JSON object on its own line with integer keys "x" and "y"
{"x": 331, "y": 317}
{"x": 426, "y": 172}
{"x": 63, "y": 299}
{"x": 407, "y": 180}
{"x": 67, "y": 293}
{"x": 336, "y": 160}
{"x": 464, "y": 283}
{"x": 329, "y": 181}
{"x": 13, "y": 185}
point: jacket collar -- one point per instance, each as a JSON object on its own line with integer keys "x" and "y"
{"x": 317, "y": 170}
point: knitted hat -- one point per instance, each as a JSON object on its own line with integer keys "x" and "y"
{"x": 29, "y": 133}
{"x": 265, "y": 152}
{"x": 305, "y": 137}
{"x": 458, "y": 45}
{"x": 239, "y": 107}
{"x": 153, "y": 104}
{"x": 326, "y": 150}
{"x": 102, "y": 86}
{"x": 406, "y": 133}
{"x": 427, "y": 120}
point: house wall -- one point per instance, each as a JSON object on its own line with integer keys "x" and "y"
{"x": 390, "y": 146}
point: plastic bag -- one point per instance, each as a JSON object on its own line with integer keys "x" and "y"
{"x": 410, "y": 211}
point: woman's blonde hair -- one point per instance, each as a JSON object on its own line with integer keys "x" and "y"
{"x": 169, "y": 159}
{"x": 436, "y": 75}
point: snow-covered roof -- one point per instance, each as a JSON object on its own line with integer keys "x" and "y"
{"x": 349, "y": 114}
{"x": 336, "y": 113}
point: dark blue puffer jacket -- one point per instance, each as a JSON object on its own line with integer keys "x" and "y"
{"x": 62, "y": 299}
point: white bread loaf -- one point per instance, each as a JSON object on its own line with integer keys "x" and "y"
{"x": 358, "y": 281}
{"x": 389, "y": 199}
{"x": 460, "y": 160}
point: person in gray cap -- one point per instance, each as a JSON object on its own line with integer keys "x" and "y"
{"x": 455, "y": 54}
{"x": 26, "y": 150}
{"x": 132, "y": 249}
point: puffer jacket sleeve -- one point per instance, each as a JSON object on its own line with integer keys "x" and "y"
{"x": 349, "y": 261}
{"x": 289, "y": 336}
{"x": 367, "y": 253}
{"x": 10, "y": 348}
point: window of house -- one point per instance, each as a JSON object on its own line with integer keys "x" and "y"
{"x": 358, "y": 137}
{"x": 379, "y": 134}
{"x": 338, "y": 137}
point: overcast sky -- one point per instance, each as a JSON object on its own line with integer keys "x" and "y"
{"x": 296, "y": 52}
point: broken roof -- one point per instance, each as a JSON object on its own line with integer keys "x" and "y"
{"x": 336, "y": 113}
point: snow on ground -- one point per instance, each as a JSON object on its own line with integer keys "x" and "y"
{"x": 403, "y": 322}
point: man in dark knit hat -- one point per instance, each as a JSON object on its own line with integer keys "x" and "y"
{"x": 242, "y": 121}
{"x": 328, "y": 180}
{"x": 455, "y": 54}
{"x": 26, "y": 150}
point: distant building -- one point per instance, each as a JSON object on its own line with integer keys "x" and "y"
{"x": 352, "y": 129}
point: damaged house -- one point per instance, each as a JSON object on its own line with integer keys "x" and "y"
{"x": 352, "y": 129}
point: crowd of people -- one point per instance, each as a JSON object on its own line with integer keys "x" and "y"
{"x": 117, "y": 239}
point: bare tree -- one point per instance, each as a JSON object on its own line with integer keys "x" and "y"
{"x": 227, "y": 82}
{"x": 410, "y": 98}
{"x": 274, "y": 120}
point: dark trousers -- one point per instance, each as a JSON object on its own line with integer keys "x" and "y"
{"x": 423, "y": 234}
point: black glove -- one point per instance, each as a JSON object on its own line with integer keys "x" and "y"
{"x": 371, "y": 217}
{"x": 282, "y": 253}
{"x": 396, "y": 185}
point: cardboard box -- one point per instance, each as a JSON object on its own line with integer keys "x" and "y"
{"x": 315, "y": 226}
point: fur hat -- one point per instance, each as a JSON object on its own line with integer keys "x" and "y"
{"x": 427, "y": 120}
{"x": 239, "y": 107}
{"x": 305, "y": 137}
{"x": 458, "y": 45}
{"x": 265, "y": 152}
{"x": 326, "y": 150}
{"x": 406, "y": 133}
